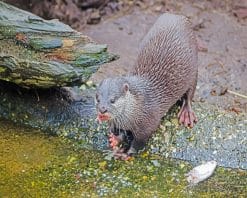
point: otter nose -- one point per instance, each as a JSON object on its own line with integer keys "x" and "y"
{"x": 102, "y": 109}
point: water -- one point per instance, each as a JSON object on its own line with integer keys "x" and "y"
{"x": 34, "y": 164}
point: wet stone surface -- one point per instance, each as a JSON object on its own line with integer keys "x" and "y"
{"x": 218, "y": 135}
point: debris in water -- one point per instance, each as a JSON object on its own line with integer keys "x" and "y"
{"x": 201, "y": 173}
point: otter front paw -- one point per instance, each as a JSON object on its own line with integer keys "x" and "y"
{"x": 113, "y": 141}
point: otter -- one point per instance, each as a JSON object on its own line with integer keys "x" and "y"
{"x": 166, "y": 71}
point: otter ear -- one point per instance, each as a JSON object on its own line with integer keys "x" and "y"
{"x": 125, "y": 87}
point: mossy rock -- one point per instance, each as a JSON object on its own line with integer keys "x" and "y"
{"x": 38, "y": 53}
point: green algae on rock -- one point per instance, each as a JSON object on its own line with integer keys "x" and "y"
{"x": 38, "y": 53}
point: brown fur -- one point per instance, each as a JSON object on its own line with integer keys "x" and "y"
{"x": 165, "y": 71}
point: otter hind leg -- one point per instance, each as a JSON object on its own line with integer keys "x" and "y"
{"x": 186, "y": 115}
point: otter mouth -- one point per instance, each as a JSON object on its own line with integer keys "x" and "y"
{"x": 103, "y": 117}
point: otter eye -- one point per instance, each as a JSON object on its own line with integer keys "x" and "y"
{"x": 112, "y": 100}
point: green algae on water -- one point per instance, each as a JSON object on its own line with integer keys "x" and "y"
{"x": 33, "y": 164}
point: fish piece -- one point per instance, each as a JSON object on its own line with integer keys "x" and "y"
{"x": 201, "y": 172}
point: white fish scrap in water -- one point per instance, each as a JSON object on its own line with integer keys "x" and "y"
{"x": 200, "y": 173}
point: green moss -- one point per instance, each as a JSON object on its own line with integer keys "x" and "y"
{"x": 32, "y": 46}
{"x": 87, "y": 59}
{"x": 2, "y": 69}
{"x": 10, "y": 47}
{"x": 30, "y": 68}
{"x": 45, "y": 43}
{"x": 34, "y": 164}
{"x": 7, "y": 31}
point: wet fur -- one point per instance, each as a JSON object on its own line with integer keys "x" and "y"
{"x": 166, "y": 70}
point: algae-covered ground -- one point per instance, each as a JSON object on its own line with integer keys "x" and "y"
{"x": 33, "y": 164}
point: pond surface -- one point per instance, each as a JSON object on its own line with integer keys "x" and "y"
{"x": 33, "y": 164}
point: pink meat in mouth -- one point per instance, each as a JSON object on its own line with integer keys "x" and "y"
{"x": 103, "y": 117}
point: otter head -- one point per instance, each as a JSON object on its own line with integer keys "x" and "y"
{"x": 112, "y": 98}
